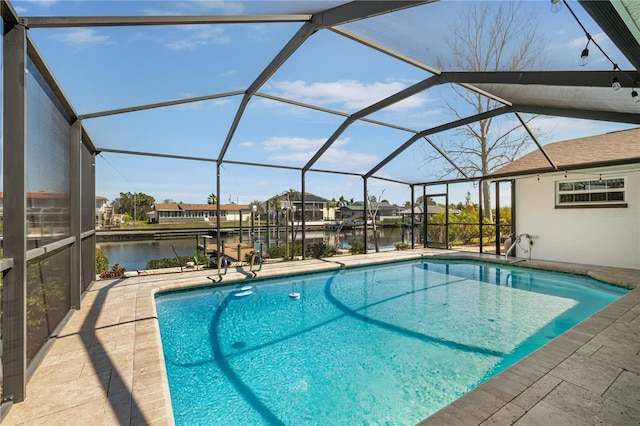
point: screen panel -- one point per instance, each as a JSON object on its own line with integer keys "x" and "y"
{"x": 48, "y": 163}
{"x": 48, "y": 288}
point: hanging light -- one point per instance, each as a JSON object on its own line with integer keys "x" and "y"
{"x": 556, "y": 5}
{"x": 584, "y": 56}
{"x": 615, "y": 83}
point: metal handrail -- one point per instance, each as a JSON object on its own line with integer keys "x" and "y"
{"x": 255, "y": 256}
{"x": 517, "y": 241}
{"x": 221, "y": 260}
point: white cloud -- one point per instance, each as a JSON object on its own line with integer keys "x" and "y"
{"x": 199, "y": 35}
{"x": 352, "y": 94}
{"x": 333, "y": 157}
{"x": 278, "y": 143}
{"x": 247, "y": 144}
{"x": 300, "y": 150}
{"x": 571, "y": 128}
{"x": 81, "y": 38}
{"x": 196, "y": 8}
{"x": 581, "y": 42}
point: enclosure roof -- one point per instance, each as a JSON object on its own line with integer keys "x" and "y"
{"x": 419, "y": 36}
{"x": 622, "y": 147}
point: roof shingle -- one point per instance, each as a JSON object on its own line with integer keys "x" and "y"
{"x": 600, "y": 150}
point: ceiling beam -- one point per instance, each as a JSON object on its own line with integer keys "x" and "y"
{"x": 617, "y": 23}
{"x": 544, "y": 78}
{"x": 616, "y": 117}
{"x": 452, "y": 125}
{"x": 535, "y": 139}
{"x": 384, "y": 103}
{"x": 9, "y": 14}
{"x": 127, "y": 21}
{"x": 357, "y": 10}
{"x": 338, "y": 15}
{"x": 157, "y": 105}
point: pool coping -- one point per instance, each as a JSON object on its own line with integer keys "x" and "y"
{"x": 106, "y": 365}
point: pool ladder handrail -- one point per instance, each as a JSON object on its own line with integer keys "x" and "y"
{"x": 517, "y": 241}
{"x": 223, "y": 260}
{"x": 252, "y": 262}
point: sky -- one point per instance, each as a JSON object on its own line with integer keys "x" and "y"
{"x": 105, "y": 68}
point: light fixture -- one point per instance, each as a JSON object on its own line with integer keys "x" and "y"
{"x": 584, "y": 56}
{"x": 556, "y": 5}
{"x": 615, "y": 83}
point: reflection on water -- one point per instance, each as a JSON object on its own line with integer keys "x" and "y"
{"x": 134, "y": 255}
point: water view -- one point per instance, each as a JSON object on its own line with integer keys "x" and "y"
{"x": 134, "y": 255}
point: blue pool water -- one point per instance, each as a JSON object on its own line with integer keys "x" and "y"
{"x": 385, "y": 344}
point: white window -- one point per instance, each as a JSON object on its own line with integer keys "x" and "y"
{"x": 591, "y": 193}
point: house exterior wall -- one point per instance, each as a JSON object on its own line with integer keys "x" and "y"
{"x": 191, "y": 216}
{"x": 594, "y": 235}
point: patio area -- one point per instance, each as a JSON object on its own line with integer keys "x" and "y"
{"x": 106, "y": 365}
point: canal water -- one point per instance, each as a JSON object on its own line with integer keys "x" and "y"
{"x": 134, "y": 255}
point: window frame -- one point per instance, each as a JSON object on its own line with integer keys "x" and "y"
{"x": 588, "y": 193}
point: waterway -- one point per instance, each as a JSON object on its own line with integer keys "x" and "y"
{"x": 134, "y": 255}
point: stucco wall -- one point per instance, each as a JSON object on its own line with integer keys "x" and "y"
{"x": 596, "y": 236}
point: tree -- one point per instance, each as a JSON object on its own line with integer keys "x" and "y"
{"x": 489, "y": 36}
{"x": 212, "y": 199}
{"x": 260, "y": 206}
{"x": 430, "y": 201}
{"x": 136, "y": 205}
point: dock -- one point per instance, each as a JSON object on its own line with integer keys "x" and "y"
{"x": 230, "y": 250}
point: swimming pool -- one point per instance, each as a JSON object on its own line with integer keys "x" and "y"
{"x": 382, "y": 344}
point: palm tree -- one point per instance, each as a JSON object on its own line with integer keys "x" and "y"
{"x": 212, "y": 199}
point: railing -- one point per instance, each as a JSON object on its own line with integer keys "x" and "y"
{"x": 221, "y": 262}
{"x": 517, "y": 241}
{"x": 252, "y": 262}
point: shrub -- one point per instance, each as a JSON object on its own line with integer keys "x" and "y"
{"x": 173, "y": 262}
{"x": 402, "y": 246}
{"x": 320, "y": 249}
{"x": 102, "y": 262}
{"x": 274, "y": 252}
{"x": 116, "y": 272}
{"x": 357, "y": 248}
{"x": 247, "y": 256}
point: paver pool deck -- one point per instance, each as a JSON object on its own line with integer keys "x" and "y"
{"x": 106, "y": 365}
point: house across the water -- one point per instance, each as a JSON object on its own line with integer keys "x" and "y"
{"x": 164, "y": 213}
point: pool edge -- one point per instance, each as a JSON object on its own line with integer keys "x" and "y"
{"x": 127, "y": 327}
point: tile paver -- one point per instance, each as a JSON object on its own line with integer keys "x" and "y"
{"x": 106, "y": 366}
